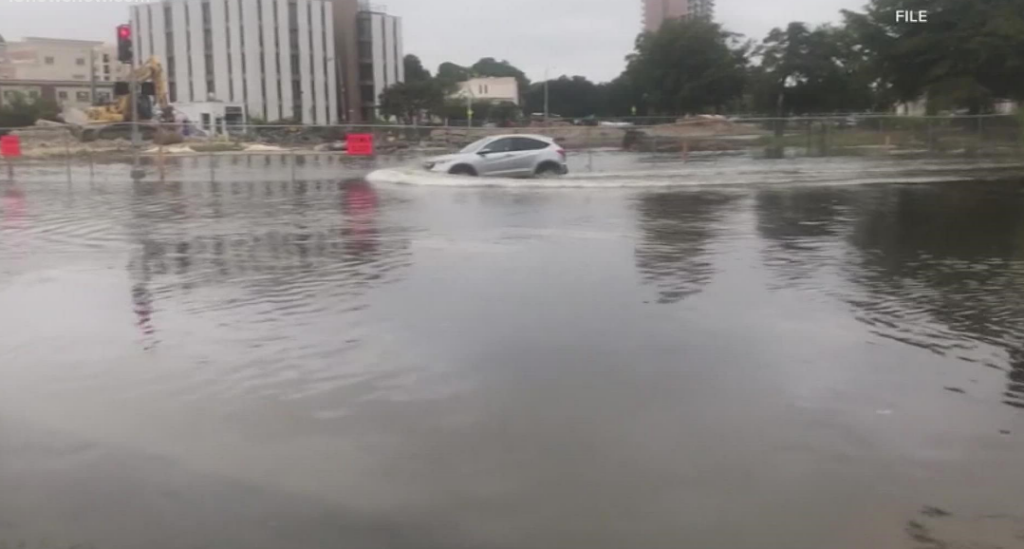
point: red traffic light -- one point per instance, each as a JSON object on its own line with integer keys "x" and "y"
{"x": 124, "y": 32}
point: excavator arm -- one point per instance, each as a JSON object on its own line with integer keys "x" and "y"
{"x": 120, "y": 110}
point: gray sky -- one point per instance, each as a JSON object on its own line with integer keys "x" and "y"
{"x": 588, "y": 37}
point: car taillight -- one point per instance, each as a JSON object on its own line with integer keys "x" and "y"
{"x": 561, "y": 152}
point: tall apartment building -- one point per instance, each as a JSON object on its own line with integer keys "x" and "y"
{"x": 657, "y": 12}
{"x": 380, "y": 56}
{"x": 368, "y": 42}
{"x": 74, "y": 73}
{"x": 277, "y": 57}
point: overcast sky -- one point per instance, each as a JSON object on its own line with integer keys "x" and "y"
{"x": 588, "y": 37}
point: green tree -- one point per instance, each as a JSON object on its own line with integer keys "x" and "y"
{"x": 449, "y": 75}
{"x": 688, "y": 66}
{"x": 811, "y": 71}
{"x": 574, "y": 97}
{"x": 504, "y": 113}
{"x": 414, "y": 71}
{"x": 21, "y": 111}
{"x": 620, "y": 97}
{"x": 965, "y": 56}
{"x": 410, "y": 101}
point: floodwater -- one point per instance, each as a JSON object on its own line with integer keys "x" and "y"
{"x": 253, "y": 354}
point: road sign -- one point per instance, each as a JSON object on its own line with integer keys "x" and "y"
{"x": 360, "y": 144}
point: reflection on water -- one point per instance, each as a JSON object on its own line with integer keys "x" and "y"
{"x": 936, "y": 267}
{"x": 266, "y": 259}
{"x": 676, "y": 239}
{"x": 803, "y": 230}
{"x": 946, "y": 267}
{"x": 262, "y": 235}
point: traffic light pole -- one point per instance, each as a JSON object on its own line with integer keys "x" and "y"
{"x": 137, "y": 172}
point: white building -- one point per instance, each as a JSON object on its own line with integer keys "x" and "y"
{"x": 380, "y": 55}
{"x": 1006, "y": 106}
{"x": 274, "y": 56}
{"x": 920, "y": 107}
{"x": 67, "y": 71}
{"x": 496, "y": 90}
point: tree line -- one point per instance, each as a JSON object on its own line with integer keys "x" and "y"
{"x": 969, "y": 55}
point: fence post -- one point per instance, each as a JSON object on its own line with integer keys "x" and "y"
{"x": 809, "y": 131}
{"x": 590, "y": 149}
{"x": 67, "y": 153}
{"x": 929, "y": 125}
{"x": 981, "y": 131}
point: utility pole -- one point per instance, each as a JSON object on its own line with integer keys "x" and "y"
{"x": 546, "y": 97}
{"x": 92, "y": 74}
{"x": 126, "y": 54}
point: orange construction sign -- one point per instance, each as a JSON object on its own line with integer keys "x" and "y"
{"x": 360, "y": 144}
{"x": 10, "y": 146}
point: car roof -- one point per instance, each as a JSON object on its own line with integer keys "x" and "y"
{"x": 527, "y": 135}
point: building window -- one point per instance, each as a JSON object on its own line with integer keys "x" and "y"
{"x": 82, "y": 96}
{"x": 106, "y": 58}
{"x": 48, "y": 60}
{"x": 62, "y": 95}
{"x": 80, "y": 61}
{"x": 103, "y": 97}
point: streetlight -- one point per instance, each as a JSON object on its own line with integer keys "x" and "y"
{"x": 546, "y": 97}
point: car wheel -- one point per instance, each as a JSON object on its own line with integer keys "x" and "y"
{"x": 548, "y": 170}
{"x": 462, "y": 169}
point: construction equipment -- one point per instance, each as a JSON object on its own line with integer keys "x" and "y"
{"x": 119, "y": 111}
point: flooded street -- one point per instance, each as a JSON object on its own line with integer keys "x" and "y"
{"x": 256, "y": 354}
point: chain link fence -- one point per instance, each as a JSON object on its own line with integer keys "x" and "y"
{"x": 994, "y": 135}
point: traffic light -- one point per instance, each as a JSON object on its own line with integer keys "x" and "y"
{"x": 124, "y": 44}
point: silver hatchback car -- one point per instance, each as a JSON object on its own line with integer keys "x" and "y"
{"x": 504, "y": 155}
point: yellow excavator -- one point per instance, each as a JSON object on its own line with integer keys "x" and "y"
{"x": 118, "y": 111}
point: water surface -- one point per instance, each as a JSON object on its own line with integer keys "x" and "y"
{"x": 248, "y": 355}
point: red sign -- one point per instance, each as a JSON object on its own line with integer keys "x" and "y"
{"x": 360, "y": 144}
{"x": 10, "y": 146}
